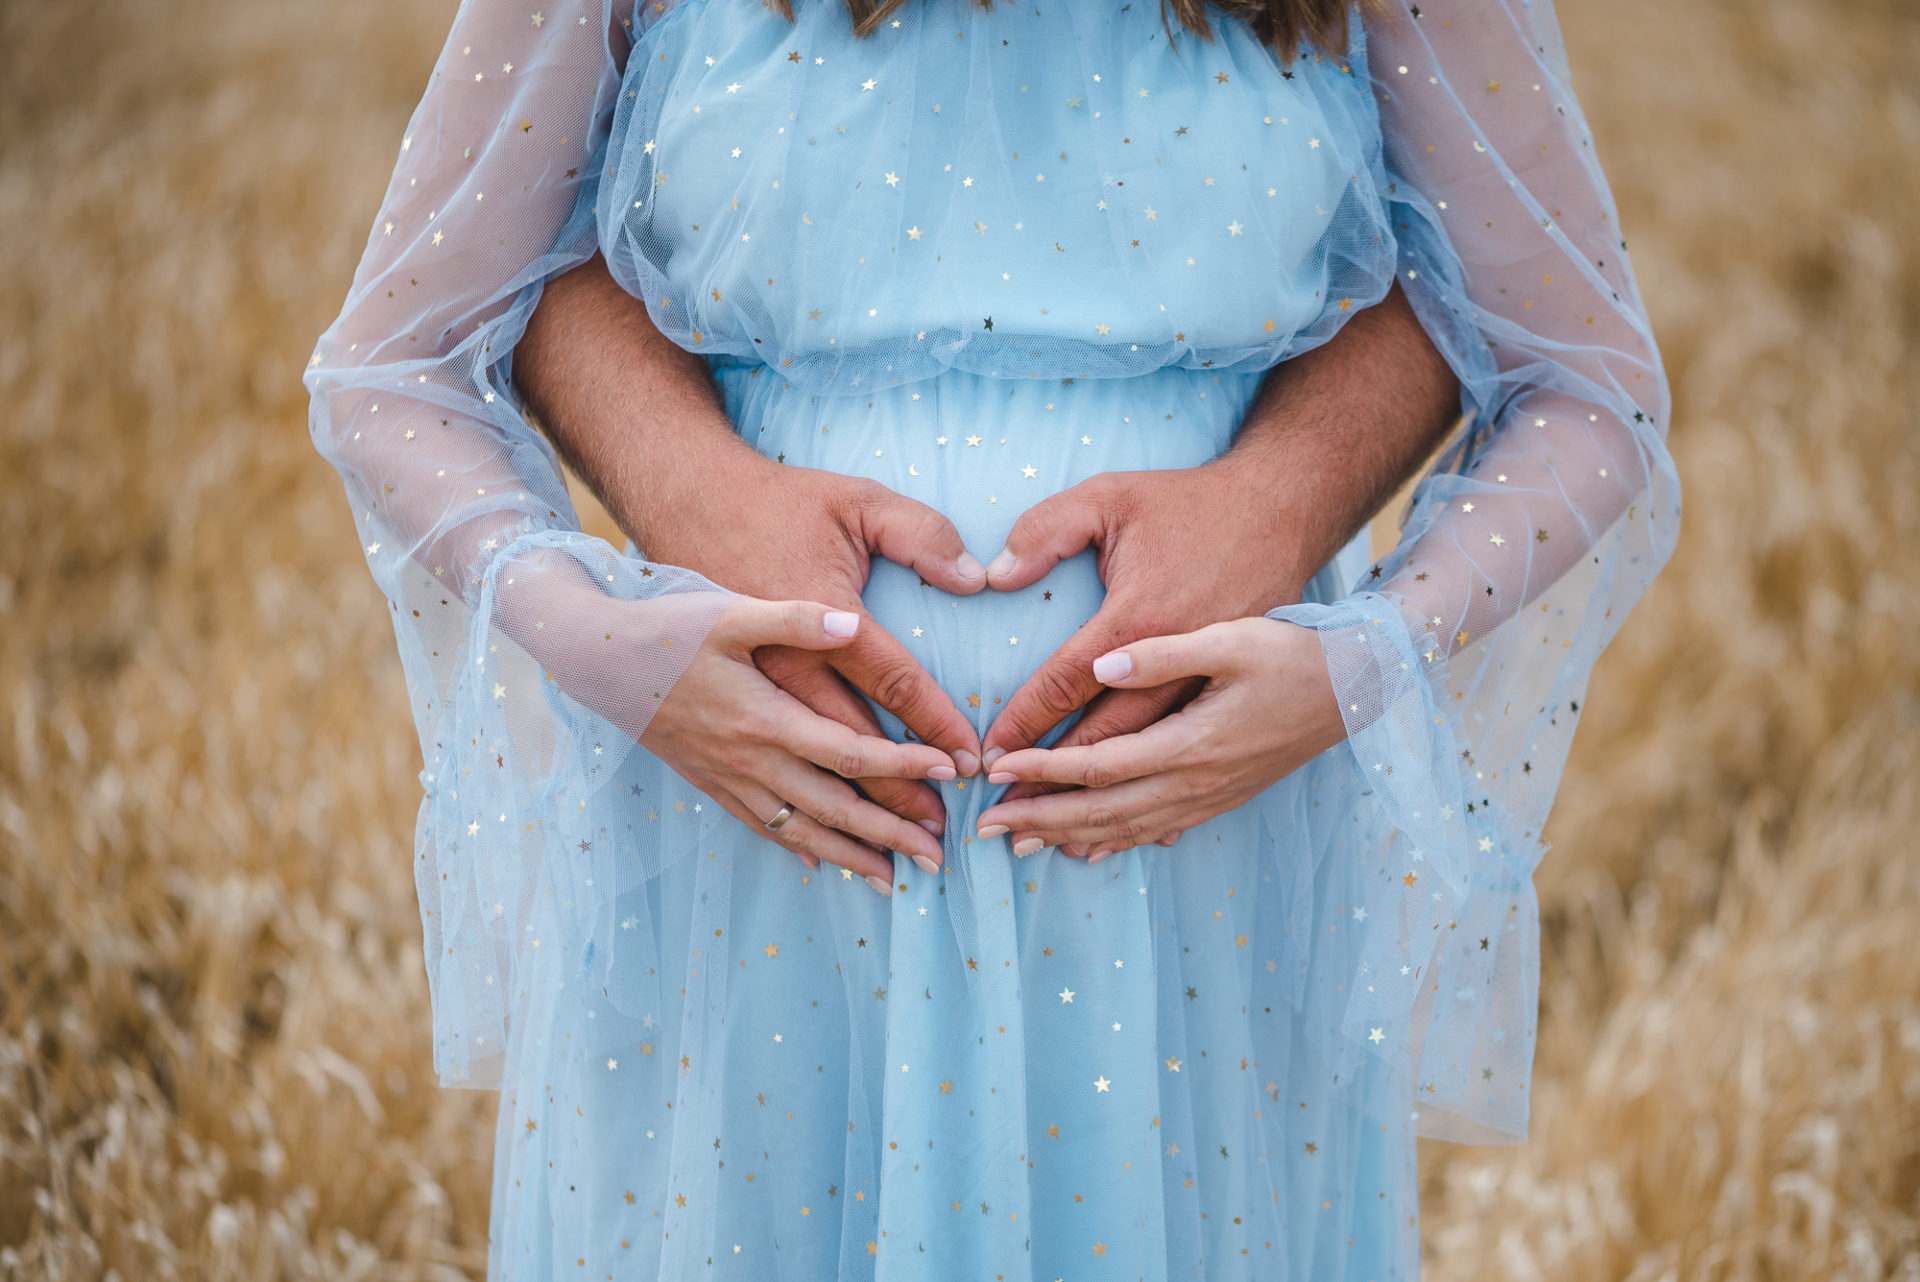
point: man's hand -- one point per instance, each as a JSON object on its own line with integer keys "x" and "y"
{"x": 798, "y": 531}
{"x": 1166, "y": 573}
{"x": 639, "y": 418}
{"x": 1331, "y": 436}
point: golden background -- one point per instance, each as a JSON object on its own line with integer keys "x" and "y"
{"x": 214, "y": 1050}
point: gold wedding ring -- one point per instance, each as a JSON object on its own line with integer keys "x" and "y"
{"x": 785, "y": 813}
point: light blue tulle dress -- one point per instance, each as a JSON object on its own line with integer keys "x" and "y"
{"x": 980, "y": 256}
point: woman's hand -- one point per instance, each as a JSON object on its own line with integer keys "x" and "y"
{"x": 739, "y": 738}
{"x": 1267, "y": 709}
{"x": 722, "y": 724}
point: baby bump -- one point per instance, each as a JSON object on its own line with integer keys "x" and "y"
{"x": 983, "y": 451}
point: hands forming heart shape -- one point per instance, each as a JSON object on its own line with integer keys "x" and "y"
{"x": 800, "y": 533}
{"x": 1332, "y": 433}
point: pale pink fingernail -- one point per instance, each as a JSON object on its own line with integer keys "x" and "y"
{"x": 1116, "y": 666}
{"x": 993, "y": 755}
{"x": 1027, "y": 845}
{"x": 1003, "y": 564}
{"x": 926, "y": 865}
{"x": 968, "y": 763}
{"x": 1097, "y": 856}
{"x": 1002, "y": 776}
{"x": 993, "y": 830}
{"x": 968, "y": 568}
{"x": 934, "y": 826}
{"x": 843, "y": 623}
{"x": 882, "y": 884}
{"x": 942, "y": 773}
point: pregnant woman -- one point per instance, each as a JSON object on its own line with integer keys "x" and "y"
{"x": 979, "y": 357}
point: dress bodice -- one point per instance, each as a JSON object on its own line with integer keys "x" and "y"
{"x": 1021, "y": 190}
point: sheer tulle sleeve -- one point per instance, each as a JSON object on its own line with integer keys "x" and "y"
{"x": 1462, "y": 657}
{"x": 534, "y": 655}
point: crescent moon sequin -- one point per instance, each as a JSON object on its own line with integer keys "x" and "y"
{"x": 913, "y": 469}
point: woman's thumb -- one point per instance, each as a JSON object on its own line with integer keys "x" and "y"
{"x": 1153, "y": 661}
{"x": 750, "y": 622}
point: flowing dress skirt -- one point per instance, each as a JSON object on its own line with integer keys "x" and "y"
{"x": 1016, "y": 1069}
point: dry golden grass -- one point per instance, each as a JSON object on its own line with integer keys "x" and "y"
{"x": 213, "y": 1053}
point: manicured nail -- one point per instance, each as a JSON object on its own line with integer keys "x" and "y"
{"x": 1003, "y": 564}
{"x": 934, "y": 826}
{"x": 881, "y": 884}
{"x": 942, "y": 773}
{"x": 1113, "y": 667}
{"x": 993, "y": 755}
{"x": 1097, "y": 856}
{"x": 994, "y": 830}
{"x": 926, "y": 865}
{"x": 843, "y": 623}
{"x": 810, "y": 862}
{"x": 1002, "y": 776}
{"x": 968, "y": 568}
{"x": 968, "y": 763}
{"x": 1027, "y": 845}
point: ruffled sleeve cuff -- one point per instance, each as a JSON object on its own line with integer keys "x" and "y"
{"x": 1446, "y": 984}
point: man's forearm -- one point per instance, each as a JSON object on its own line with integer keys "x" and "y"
{"x": 1335, "y": 432}
{"x": 631, "y": 411}
{"x": 1331, "y": 436}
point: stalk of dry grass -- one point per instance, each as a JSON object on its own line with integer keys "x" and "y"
{"x": 213, "y": 1057}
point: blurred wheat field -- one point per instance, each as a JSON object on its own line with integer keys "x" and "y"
{"x": 214, "y": 1059}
